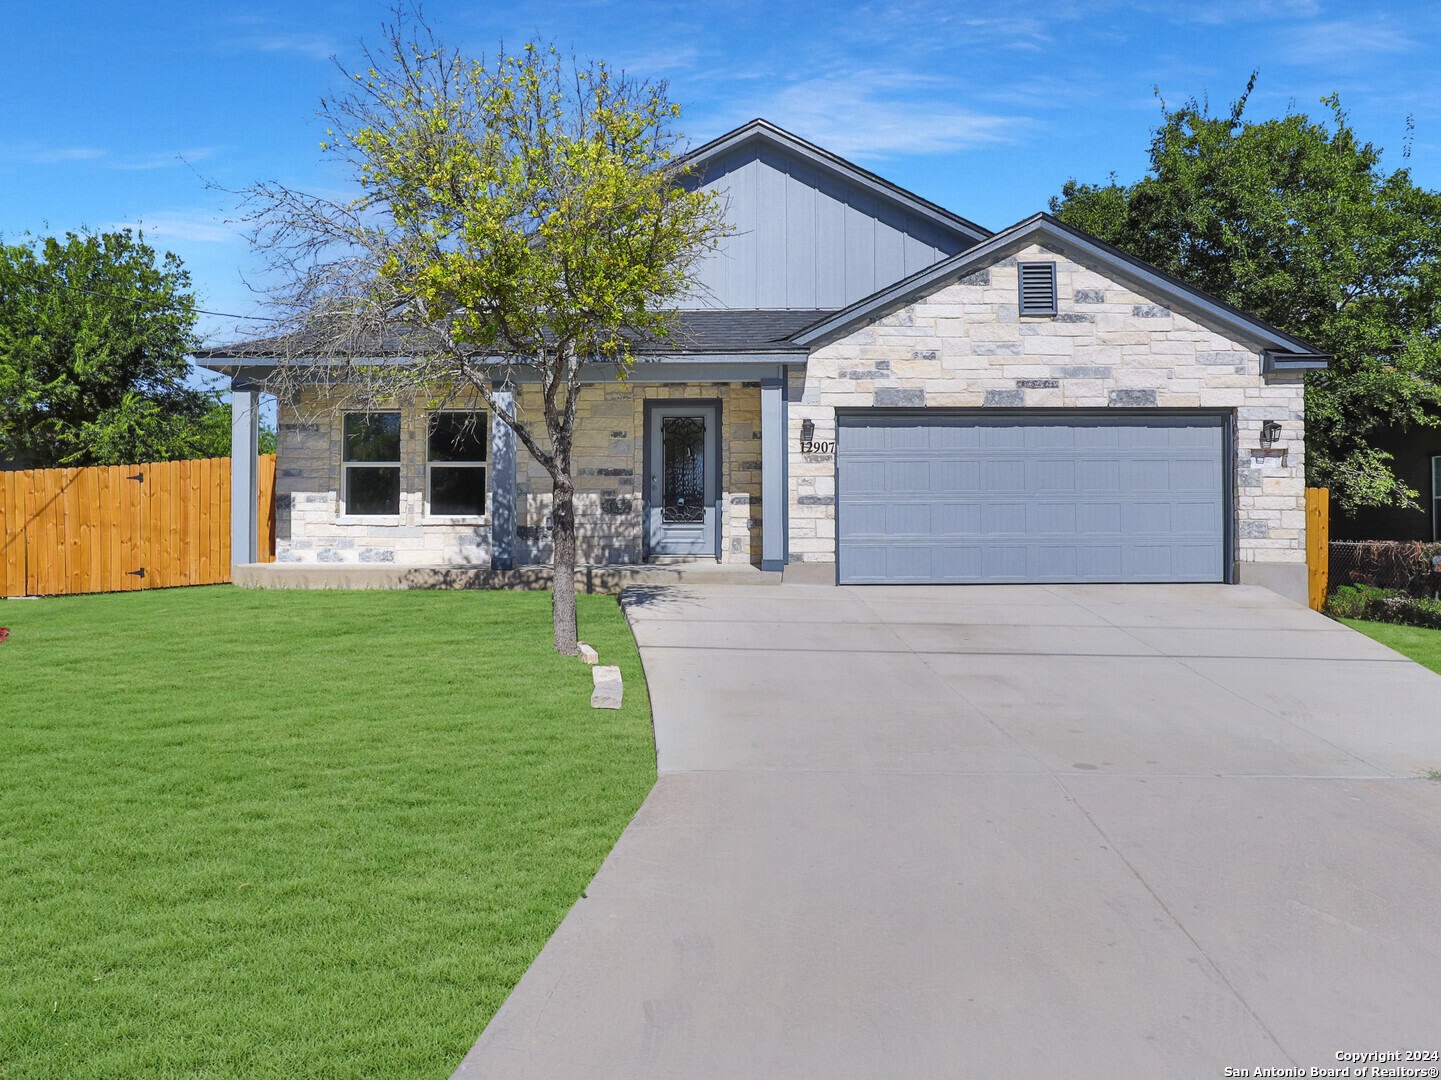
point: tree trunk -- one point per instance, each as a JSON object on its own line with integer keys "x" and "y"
{"x": 562, "y": 595}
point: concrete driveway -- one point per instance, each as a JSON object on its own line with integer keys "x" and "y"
{"x": 1088, "y": 831}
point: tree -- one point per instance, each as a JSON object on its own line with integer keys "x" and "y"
{"x": 94, "y": 333}
{"x": 1297, "y": 223}
{"x": 520, "y": 216}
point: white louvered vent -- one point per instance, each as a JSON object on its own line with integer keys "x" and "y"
{"x": 1038, "y": 288}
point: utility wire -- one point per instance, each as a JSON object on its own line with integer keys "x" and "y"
{"x": 142, "y": 300}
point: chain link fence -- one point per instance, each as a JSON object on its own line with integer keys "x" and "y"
{"x": 1408, "y": 566}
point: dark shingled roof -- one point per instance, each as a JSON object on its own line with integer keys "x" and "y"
{"x": 718, "y": 332}
{"x": 735, "y": 330}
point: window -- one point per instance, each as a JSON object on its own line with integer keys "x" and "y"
{"x": 1037, "y": 288}
{"x": 370, "y": 451}
{"x": 455, "y": 465}
{"x": 1436, "y": 498}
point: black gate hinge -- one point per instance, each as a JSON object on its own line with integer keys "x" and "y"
{"x": 136, "y": 573}
{"x": 138, "y": 476}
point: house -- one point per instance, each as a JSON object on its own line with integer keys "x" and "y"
{"x": 869, "y": 388}
{"x": 1416, "y": 457}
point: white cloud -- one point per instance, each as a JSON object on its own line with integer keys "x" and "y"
{"x": 164, "y": 161}
{"x": 1330, "y": 42}
{"x": 314, "y": 46}
{"x": 860, "y": 116}
{"x": 56, "y": 155}
{"x": 200, "y": 226}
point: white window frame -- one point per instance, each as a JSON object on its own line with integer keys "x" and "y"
{"x": 458, "y": 519}
{"x": 346, "y": 466}
{"x": 1436, "y": 497}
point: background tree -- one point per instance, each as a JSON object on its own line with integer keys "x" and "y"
{"x": 94, "y": 334}
{"x": 515, "y": 218}
{"x": 1296, "y": 222}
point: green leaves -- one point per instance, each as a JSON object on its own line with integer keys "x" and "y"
{"x": 533, "y": 200}
{"x": 94, "y": 332}
{"x": 1295, "y": 221}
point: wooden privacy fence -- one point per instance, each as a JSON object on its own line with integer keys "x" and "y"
{"x": 122, "y": 527}
{"x": 1318, "y": 545}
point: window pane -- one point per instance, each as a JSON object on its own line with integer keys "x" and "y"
{"x": 1436, "y": 477}
{"x": 457, "y": 437}
{"x": 372, "y": 491}
{"x": 682, "y": 469}
{"x": 372, "y": 436}
{"x": 457, "y": 492}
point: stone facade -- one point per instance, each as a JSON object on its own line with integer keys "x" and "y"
{"x": 963, "y": 346}
{"x": 609, "y": 465}
{"x": 966, "y": 346}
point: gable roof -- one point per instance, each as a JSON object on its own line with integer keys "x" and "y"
{"x": 764, "y": 131}
{"x": 1284, "y": 350}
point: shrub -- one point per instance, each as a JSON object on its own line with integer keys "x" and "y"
{"x": 1358, "y": 601}
{"x": 1409, "y": 611}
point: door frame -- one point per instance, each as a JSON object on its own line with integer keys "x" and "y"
{"x": 651, "y": 451}
{"x": 1230, "y": 550}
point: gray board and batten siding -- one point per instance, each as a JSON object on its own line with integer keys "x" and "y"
{"x": 961, "y": 498}
{"x": 807, "y": 237}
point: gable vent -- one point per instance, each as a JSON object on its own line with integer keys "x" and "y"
{"x": 1038, "y": 288}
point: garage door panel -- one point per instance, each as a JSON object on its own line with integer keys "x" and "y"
{"x": 1198, "y": 518}
{"x": 1002, "y": 518}
{"x": 1052, "y": 437}
{"x": 863, "y": 477}
{"x": 1097, "y": 437}
{"x": 1141, "y": 518}
{"x": 1098, "y": 519}
{"x": 952, "y": 561}
{"x": 908, "y": 519}
{"x": 1052, "y": 474}
{"x": 1007, "y": 498}
{"x": 1002, "y": 475}
{"x": 1055, "y": 518}
{"x": 1189, "y": 475}
{"x": 955, "y": 477}
{"x": 1003, "y": 562}
{"x": 1098, "y": 474}
{"x": 905, "y": 562}
{"x": 1057, "y": 561}
{"x": 957, "y": 518}
{"x": 1099, "y": 562}
{"x": 905, "y": 475}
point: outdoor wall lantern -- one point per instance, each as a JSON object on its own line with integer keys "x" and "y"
{"x": 1270, "y": 433}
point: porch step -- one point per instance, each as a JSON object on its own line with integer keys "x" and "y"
{"x": 590, "y": 579}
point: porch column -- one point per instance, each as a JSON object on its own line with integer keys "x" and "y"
{"x": 773, "y": 474}
{"x": 244, "y": 471}
{"x": 502, "y": 484}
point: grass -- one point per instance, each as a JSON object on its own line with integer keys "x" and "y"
{"x": 293, "y": 834}
{"x": 1418, "y": 643}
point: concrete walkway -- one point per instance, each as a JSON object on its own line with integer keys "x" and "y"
{"x": 1089, "y": 831}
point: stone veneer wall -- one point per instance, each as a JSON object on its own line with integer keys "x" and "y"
{"x": 609, "y": 466}
{"x": 965, "y": 346}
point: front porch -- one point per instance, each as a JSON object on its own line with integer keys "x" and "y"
{"x": 624, "y": 457}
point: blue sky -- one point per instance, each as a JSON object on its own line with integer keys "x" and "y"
{"x": 117, "y": 113}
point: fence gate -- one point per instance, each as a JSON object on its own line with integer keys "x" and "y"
{"x": 119, "y": 528}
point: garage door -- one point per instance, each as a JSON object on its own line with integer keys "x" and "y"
{"x": 933, "y": 497}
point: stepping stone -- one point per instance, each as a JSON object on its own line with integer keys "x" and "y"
{"x": 589, "y": 655}
{"x": 608, "y": 689}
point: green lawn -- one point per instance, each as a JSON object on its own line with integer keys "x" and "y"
{"x": 1423, "y": 646}
{"x": 293, "y": 834}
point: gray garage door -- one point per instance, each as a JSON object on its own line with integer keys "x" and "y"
{"x": 931, "y": 497}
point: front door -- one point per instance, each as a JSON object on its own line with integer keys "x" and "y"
{"x": 681, "y": 480}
